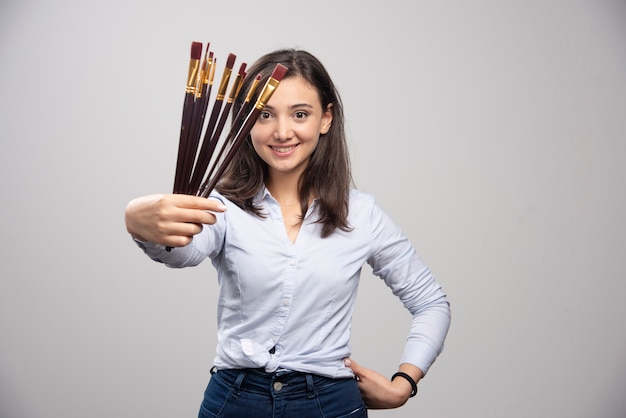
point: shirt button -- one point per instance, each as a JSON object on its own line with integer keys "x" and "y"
{"x": 278, "y": 386}
{"x": 291, "y": 262}
{"x": 285, "y": 302}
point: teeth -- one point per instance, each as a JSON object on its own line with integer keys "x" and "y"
{"x": 283, "y": 149}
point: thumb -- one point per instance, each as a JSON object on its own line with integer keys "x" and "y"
{"x": 348, "y": 362}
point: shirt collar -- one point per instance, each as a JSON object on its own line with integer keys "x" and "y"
{"x": 265, "y": 195}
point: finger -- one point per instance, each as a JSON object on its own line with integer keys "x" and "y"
{"x": 182, "y": 222}
{"x": 354, "y": 366}
{"x": 180, "y": 234}
{"x": 177, "y": 241}
{"x": 187, "y": 229}
{"x": 196, "y": 216}
{"x": 196, "y": 202}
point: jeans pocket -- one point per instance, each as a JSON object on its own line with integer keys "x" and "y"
{"x": 205, "y": 413}
{"x": 342, "y": 400}
{"x": 216, "y": 396}
{"x": 360, "y": 412}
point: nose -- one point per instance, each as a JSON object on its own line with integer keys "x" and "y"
{"x": 282, "y": 130}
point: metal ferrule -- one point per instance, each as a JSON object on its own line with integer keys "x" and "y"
{"x": 234, "y": 90}
{"x": 192, "y": 76}
{"x": 224, "y": 84}
{"x": 251, "y": 91}
{"x": 203, "y": 78}
{"x": 266, "y": 93}
{"x": 212, "y": 71}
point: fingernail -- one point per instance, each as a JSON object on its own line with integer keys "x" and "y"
{"x": 347, "y": 362}
{"x": 221, "y": 207}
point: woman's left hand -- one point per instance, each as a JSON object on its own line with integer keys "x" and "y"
{"x": 378, "y": 391}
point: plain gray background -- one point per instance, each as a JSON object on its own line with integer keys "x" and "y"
{"x": 493, "y": 132}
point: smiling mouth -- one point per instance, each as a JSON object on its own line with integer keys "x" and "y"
{"x": 284, "y": 149}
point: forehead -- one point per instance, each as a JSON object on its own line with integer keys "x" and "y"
{"x": 294, "y": 90}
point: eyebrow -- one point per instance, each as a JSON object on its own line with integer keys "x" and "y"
{"x": 294, "y": 106}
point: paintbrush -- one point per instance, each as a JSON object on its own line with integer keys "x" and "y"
{"x": 188, "y": 107}
{"x": 234, "y": 91}
{"x": 266, "y": 93}
{"x": 235, "y": 126}
{"x": 217, "y": 134}
{"x": 208, "y": 142}
{"x": 203, "y": 91}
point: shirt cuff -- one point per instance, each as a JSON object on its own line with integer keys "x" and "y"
{"x": 419, "y": 354}
{"x": 152, "y": 250}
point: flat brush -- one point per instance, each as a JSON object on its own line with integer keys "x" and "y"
{"x": 268, "y": 90}
{"x": 217, "y": 134}
{"x": 235, "y": 126}
{"x": 234, "y": 91}
{"x": 197, "y": 121}
{"x": 245, "y": 107}
{"x": 208, "y": 145}
{"x": 188, "y": 105}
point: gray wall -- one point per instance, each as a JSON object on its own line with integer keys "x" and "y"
{"x": 493, "y": 132}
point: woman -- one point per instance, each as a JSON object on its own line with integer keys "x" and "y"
{"x": 288, "y": 237}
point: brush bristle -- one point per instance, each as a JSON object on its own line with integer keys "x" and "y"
{"x": 242, "y": 69}
{"x": 196, "y": 50}
{"x": 279, "y": 72}
{"x": 231, "y": 60}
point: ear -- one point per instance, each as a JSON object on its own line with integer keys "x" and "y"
{"x": 327, "y": 119}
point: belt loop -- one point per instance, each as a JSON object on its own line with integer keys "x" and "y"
{"x": 237, "y": 384}
{"x": 309, "y": 386}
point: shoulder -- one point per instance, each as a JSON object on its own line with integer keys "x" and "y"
{"x": 360, "y": 197}
{"x": 362, "y": 206}
{"x": 365, "y": 208}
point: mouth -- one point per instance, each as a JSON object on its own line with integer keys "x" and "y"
{"x": 283, "y": 150}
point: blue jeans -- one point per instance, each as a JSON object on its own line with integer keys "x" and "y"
{"x": 253, "y": 393}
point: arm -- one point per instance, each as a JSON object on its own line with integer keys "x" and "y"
{"x": 394, "y": 259}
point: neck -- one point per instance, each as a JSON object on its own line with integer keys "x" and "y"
{"x": 284, "y": 188}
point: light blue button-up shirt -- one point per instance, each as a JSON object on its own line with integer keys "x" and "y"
{"x": 285, "y": 305}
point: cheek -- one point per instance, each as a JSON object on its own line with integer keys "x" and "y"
{"x": 258, "y": 137}
{"x": 259, "y": 144}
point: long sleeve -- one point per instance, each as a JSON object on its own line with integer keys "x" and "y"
{"x": 395, "y": 261}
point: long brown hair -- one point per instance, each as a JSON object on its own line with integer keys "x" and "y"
{"x": 328, "y": 175}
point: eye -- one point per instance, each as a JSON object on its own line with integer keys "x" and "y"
{"x": 300, "y": 114}
{"x": 264, "y": 115}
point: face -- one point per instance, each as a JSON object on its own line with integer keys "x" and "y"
{"x": 288, "y": 129}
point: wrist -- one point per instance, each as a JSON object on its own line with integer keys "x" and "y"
{"x": 406, "y": 377}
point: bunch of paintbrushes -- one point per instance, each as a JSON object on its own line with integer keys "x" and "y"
{"x": 204, "y": 151}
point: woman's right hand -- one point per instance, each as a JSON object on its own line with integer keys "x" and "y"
{"x": 170, "y": 219}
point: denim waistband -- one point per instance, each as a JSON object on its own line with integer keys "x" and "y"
{"x": 278, "y": 383}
